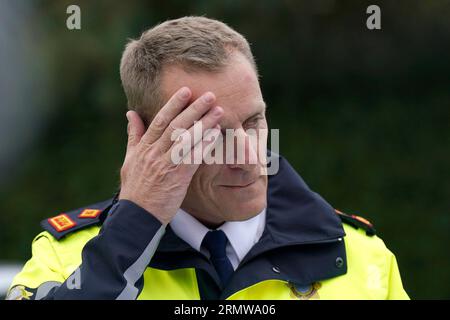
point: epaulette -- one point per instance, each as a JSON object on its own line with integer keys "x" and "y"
{"x": 357, "y": 222}
{"x": 68, "y": 222}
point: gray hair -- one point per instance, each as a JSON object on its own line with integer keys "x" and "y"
{"x": 194, "y": 43}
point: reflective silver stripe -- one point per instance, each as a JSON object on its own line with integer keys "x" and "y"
{"x": 136, "y": 270}
{"x": 45, "y": 288}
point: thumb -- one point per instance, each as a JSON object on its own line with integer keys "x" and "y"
{"x": 136, "y": 128}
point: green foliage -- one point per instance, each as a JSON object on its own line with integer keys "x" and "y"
{"x": 363, "y": 115}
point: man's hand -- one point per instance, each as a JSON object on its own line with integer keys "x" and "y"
{"x": 149, "y": 177}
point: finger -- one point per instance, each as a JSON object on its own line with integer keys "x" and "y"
{"x": 198, "y": 154}
{"x": 167, "y": 113}
{"x": 187, "y": 166}
{"x": 187, "y": 140}
{"x": 135, "y": 129}
{"x": 213, "y": 139}
{"x": 187, "y": 118}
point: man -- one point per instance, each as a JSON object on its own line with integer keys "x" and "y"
{"x": 185, "y": 230}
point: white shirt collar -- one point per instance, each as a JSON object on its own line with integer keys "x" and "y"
{"x": 242, "y": 235}
{"x": 188, "y": 229}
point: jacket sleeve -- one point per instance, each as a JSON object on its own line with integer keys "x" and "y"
{"x": 396, "y": 290}
{"x": 113, "y": 262}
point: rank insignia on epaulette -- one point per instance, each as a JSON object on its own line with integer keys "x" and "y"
{"x": 357, "y": 222}
{"x": 362, "y": 220}
{"x": 89, "y": 213}
{"x": 78, "y": 219}
{"x": 61, "y": 222}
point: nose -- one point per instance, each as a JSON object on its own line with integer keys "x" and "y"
{"x": 241, "y": 150}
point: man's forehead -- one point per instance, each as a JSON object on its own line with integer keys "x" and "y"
{"x": 236, "y": 84}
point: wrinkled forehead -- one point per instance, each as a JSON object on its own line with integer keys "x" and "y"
{"x": 236, "y": 86}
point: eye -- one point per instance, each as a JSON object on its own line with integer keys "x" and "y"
{"x": 253, "y": 122}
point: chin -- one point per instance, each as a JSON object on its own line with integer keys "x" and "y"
{"x": 245, "y": 210}
{"x": 239, "y": 204}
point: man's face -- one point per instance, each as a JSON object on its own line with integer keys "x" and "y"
{"x": 227, "y": 192}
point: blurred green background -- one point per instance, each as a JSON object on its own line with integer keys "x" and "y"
{"x": 363, "y": 115}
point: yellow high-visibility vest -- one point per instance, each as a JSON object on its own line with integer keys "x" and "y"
{"x": 372, "y": 272}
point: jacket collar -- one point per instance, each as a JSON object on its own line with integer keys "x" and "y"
{"x": 295, "y": 214}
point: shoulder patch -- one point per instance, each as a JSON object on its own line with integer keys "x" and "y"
{"x": 62, "y": 222}
{"x": 357, "y": 222}
{"x": 65, "y": 223}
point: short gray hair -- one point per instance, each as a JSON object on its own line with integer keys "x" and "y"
{"x": 194, "y": 43}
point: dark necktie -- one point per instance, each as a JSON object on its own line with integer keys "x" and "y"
{"x": 216, "y": 242}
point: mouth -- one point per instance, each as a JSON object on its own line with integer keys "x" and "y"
{"x": 240, "y": 186}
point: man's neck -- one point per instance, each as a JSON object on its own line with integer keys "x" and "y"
{"x": 210, "y": 224}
